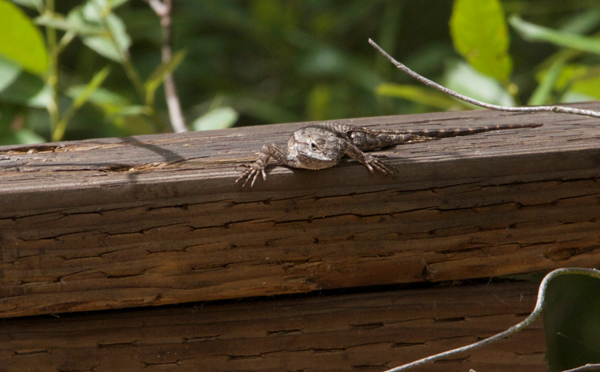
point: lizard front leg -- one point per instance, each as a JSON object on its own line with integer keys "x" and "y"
{"x": 371, "y": 162}
{"x": 269, "y": 152}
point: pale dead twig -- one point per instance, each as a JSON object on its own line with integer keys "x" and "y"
{"x": 424, "y": 80}
{"x": 163, "y": 10}
{"x": 587, "y": 367}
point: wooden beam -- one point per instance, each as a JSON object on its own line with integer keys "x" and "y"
{"x": 154, "y": 220}
{"x": 363, "y": 332}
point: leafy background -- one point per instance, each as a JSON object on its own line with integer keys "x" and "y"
{"x": 271, "y": 61}
{"x": 85, "y": 69}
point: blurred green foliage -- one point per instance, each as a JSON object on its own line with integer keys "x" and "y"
{"x": 572, "y": 322}
{"x": 83, "y": 69}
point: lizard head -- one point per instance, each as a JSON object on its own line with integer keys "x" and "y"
{"x": 314, "y": 148}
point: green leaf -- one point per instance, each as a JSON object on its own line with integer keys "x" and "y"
{"x": 582, "y": 22}
{"x": 21, "y": 87}
{"x": 547, "y": 80}
{"x": 422, "y": 95}
{"x": 80, "y": 99}
{"x": 114, "y": 41}
{"x": 118, "y": 110}
{"x": 22, "y": 42}
{"x": 100, "y": 30}
{"x": 580, "y": 79}
{"x": 103, "y": 46}
{"x": 480, "y": 35}
{"x": 24, "y": 137}
{"x": 532, "y": 32}
{"x": 35, "y": 4}
{"x": 109, "y": 101}
{"x": 463, "y": 78}
{"x": 9, "y": 72}
{"x": 113, "y": 46}
{"x": 574, "y": 97}
{"x": 134, "y": 110}
{"x": 159, "y": 74}
{"x": 74, "y": 22}
{"x": 218, "y": 118}
{"x": 117, "y": 3}
{"x": 96, "y": 81}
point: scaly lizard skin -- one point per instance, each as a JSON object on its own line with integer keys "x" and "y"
{"x": 322, "y": 146}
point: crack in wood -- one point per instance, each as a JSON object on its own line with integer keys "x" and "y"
{"x": 19, "y": 353}
{"x": 284, "y": 332}
{"x": 377, "y": 366}
{"x": 450, "y": 320}
{"x": 107, "y": 345}
{"x": 367, "y": 326}
{"x": 201, "y": 338}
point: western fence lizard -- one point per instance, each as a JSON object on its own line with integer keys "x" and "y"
{"x": 322, "y": 146}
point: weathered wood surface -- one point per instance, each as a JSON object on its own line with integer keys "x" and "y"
{"x": 156, "y": 220}
{"x": 358, "y": 332}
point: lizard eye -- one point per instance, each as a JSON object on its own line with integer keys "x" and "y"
{"x": 313, "y": 146}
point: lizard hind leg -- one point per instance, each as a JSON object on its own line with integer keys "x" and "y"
{"x": 378, "y": 165}
{"x": 370, "y": 161}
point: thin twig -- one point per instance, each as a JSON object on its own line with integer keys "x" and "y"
{"x": 163, "y": 10}
{"x": 558, "y": 109}
{"x": 587, "y": 367}
{"x": 514, "y": 329}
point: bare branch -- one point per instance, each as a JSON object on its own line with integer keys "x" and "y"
{"x": 159, "y": 8}
{"x": 512, "y": 330}
{"x": 424, "y": 80}
{"x": 163, "y": 10}
{"x": 587, "y": 367}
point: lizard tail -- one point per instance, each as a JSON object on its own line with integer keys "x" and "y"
{"x": 455, "y": 132}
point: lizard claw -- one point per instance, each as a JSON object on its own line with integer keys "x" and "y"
{"x": 375, "y": 164}
{"x": 252, "y": 174}
{"x": 383, "y": 167}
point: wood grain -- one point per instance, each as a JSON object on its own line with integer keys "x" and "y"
{"x": 357, "y": 332}
{"x": 155, "y": 220}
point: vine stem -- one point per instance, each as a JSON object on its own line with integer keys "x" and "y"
{"x": 514, "y": 329}
{"x": 424, "y": 80}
